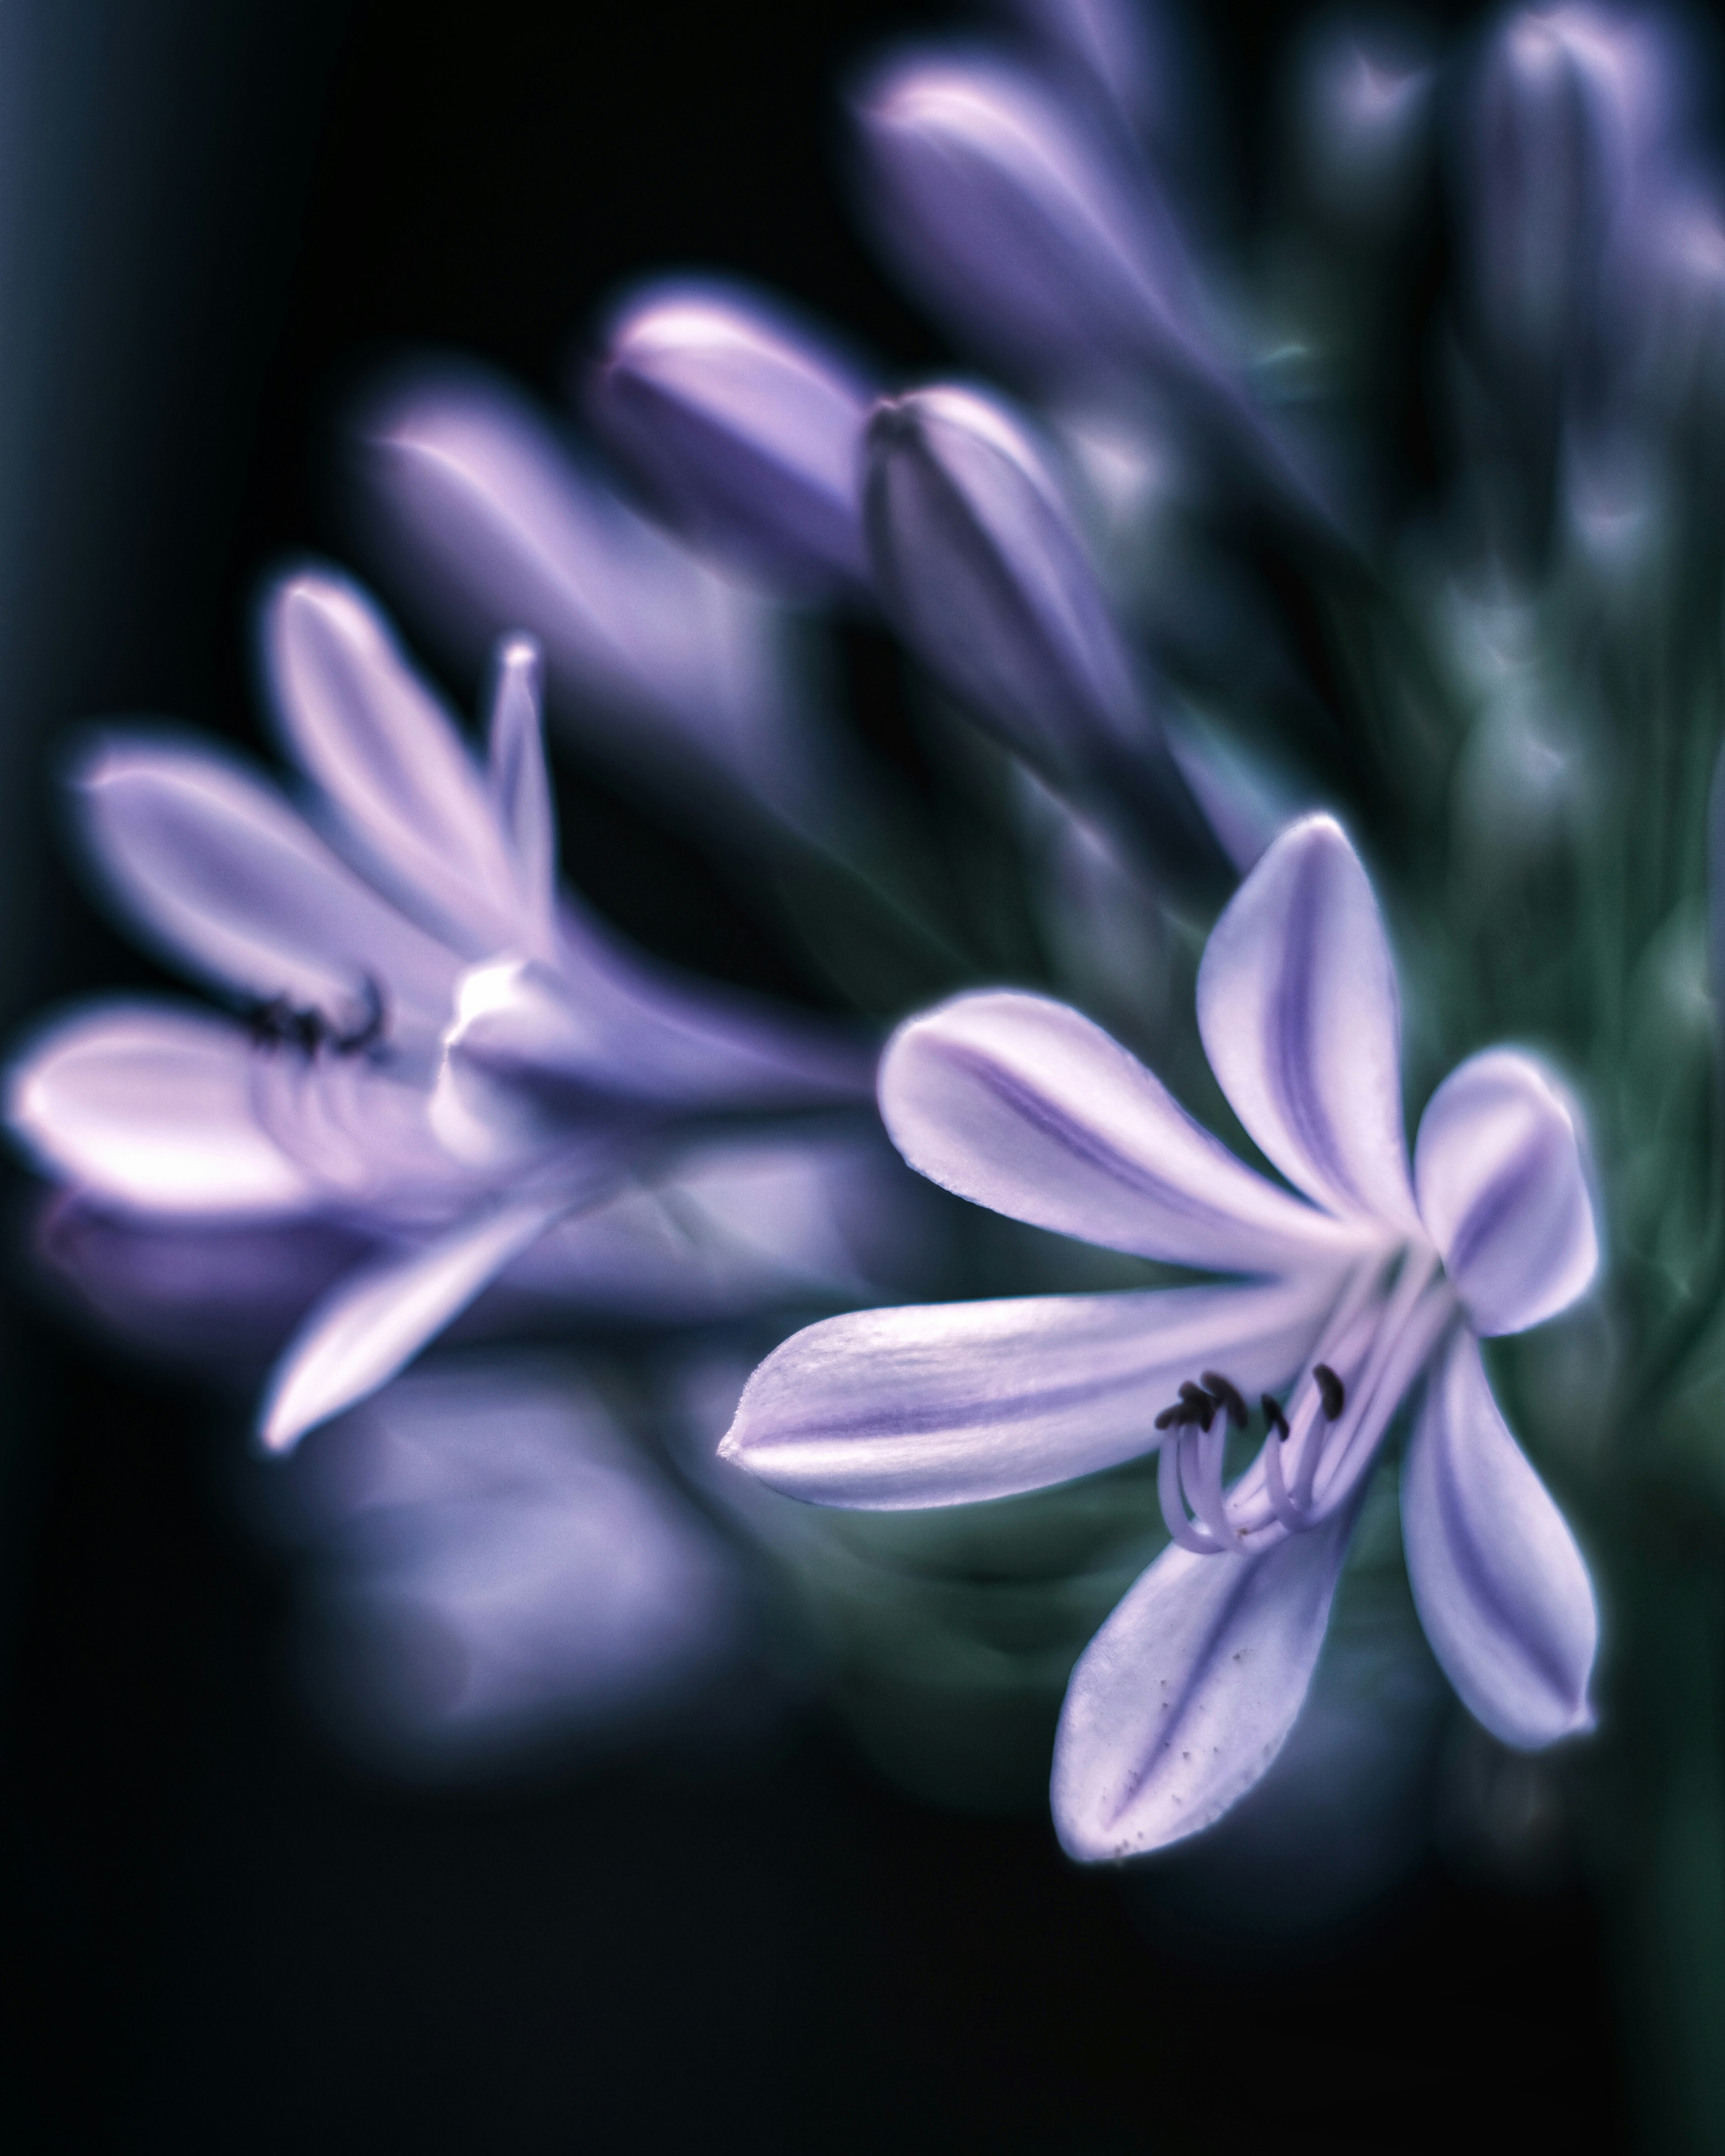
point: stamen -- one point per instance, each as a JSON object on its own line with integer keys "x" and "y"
{"x": 1185, "y": 1532}
{"x": 1225, "y": 1395}
{"x": 1202, "y": 1407}
{"x": 1169, "y": 1416}
{"x": 1331, "y": 1389}
{"x": 1274, "y": 1418}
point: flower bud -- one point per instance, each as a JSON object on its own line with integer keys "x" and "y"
{"x": 671, "y": 674}
{"x": 745, "y": 430}
{"x": 1016, "y": 227}
{"x": 980, "y": 562}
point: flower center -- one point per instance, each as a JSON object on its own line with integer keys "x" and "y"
{"x": 1371, "y": 1346}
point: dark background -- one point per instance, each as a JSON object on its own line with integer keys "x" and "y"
{"x": 216, "y": 215}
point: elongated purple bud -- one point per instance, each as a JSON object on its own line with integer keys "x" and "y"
{"x": 744, "y": 429}
{"x": 1573, "y": 107}
{"x": 1018, "y": 228}
{"x": 980, "y": 562}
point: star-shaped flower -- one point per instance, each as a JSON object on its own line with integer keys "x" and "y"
{"x": 1340, "y": 1303}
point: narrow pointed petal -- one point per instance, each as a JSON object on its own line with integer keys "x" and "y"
{"x": 1008, "y": 215}
{"x": 373, "y": 1323}
{"x": 745, "y": 429}
{"x": 1497, "y": 1165}
{"x": 1298, "y": 1009}
{"x": 1501, "y": 1590}
{"x": 1020, "y": 1104}
{"x": 675, "y": 676}
{"x": 947, "y": 1402}
{"x": 1188, "y": 1692}
{"x": 227, "y": 877}
{"x": 982, "y": 567}
{"x": 520, "y": 784}
{"x": 150, "y": 1108}
{"x": 368, "y": 729}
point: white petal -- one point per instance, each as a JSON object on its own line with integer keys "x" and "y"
{"x": 151, "y": 1109}
{"x": 947, "y": 1403}
{"x": 231, "y": 879}
{"x": 1497, "y": 1164}
{"x": 1020, "y": 1104}
{"x": 370, "y": 732}
{"x": 377, "y": 1320}
{"x": 1188, "y": 1693}
{"x": 1297, "y": 1005}
{"x": 1501, "y": 1590}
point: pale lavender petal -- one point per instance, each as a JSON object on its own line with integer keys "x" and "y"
{"x": 618, "y": 1031}
{"x": 1501, "y": 1590}
{"x": 944, "y": 1403}
{"x": 520, "y": 784}
{"x": 1109, "y": 49}
{"x": 375, "y": 1322}
{"x": 1298, "y": 1009}
{"x": 227, "y": 877}
{"x": 365, "y": 725}
{"x": 1020, "y": 1104}
{"x": 1188, "y": 1692}
{"x": 1008, "y": 215}
{"x": 982, "y": 566}
{"x": 1497, "y": 1165}
{"x": 150, "y": 1108}
{"x": 675, "y": 675}
{"x": 745, "y": 428}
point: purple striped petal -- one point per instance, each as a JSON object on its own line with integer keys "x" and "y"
{"x": 674, "y": 675}
{"x": 1019, "y": 1103}
{"x": 520, "y": 784}
{"x": 1188, "y": 1692}
{"x": 150, "y": 1108}
{"x": 745, "y": 429}
{"x": 229, "y": 878}
{"x": 1501, "y": 1590}
{"x": 1008, "y": 215}
{"x": 1497, "y": 1165}
{"x": 407, "y": 788}
{"x": 372, "y": 1324}
{"x": 1297, "y": 1006}
{"x": 947, "y": 1402}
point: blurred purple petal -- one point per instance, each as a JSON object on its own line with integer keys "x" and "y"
{"x": 228, "y": 876}
{"x": 520, "y": 784}
{"x": 674, "y": 675}
{"x": 378, "y": 1318}
{"x": 982, "y": 566}
{"x": 745, "y": 429}
{"x": 1020, "y": 1104}
{"x": 1302, "y": 1022}
{"x": 1502, "y": 1591}
{"x": 150, "y": 1108}
{"x": 949, "y": 1403}
{"x": 367, "y": 728}
{"x": 1013, "y": 222}
{"x": 1188, "y": 1692}
{"x": 1497, "y": 1164}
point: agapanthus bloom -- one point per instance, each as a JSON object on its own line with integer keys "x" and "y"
{"x": 446, "y": 1059}
{"x": 1339, "y": 1302}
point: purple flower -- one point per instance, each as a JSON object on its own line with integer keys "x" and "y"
{"x": 675, "y": 676}
{"x": 1336, "y": 1308}
{"x": 446, "y": 1057}
{"x": 1014, "y": 222}
{"x": 494, "y": 1565}
{"x": 744, "y": 428}
{"x": 982, "y": 567}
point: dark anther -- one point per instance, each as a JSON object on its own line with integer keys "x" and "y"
{"x": 1225, "y": 1395}
{"x": 1274, "y": 1418}
{"x": 1201, "y": 1407}
{"x": 1170, "y": 1416}
{"x": 1331, "y": 1389}
{"x": 368, "y": 1034}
